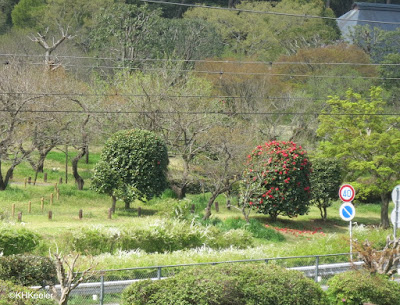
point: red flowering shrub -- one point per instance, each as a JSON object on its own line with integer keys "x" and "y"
{"x": 276, "y": 180}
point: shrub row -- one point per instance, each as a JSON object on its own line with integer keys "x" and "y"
{"x": 251, "y": 284}
{"x": 228, "y": 285}
{"x": 15, "y": 240}
{"x": 161, "y": 236}
{"x": 27, "y": 270}
{"x": 359, "y": 287}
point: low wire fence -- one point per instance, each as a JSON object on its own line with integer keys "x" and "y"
{"x": 106, "y": 286}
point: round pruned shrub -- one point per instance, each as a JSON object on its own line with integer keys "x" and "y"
{"x": 27, "y": 270}
{"x": 133, "y": 165}
{"x": 15, "y": 240}
{"x": 230, "y": 284}
{"x": 359, "y": 286}
{"x": 12, "y": 294}
{"x": 276, "y": 180}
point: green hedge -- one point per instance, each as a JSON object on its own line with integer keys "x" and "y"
{"x": 244, "y": 284}
{"x": 16, "y": 240}
{"x": 10, "y": 293}
{"x": 27, "y": 270}
{"x": 358, "y": 287}
{"x": 160, "y": 236}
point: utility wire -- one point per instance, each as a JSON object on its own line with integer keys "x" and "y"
{"x": 205, "y": 113}
{"x": 269, "y": 63}
{"x": 174, "y": 96}
{"x": 267, "y": 12}
{"x": 221, "y": 73}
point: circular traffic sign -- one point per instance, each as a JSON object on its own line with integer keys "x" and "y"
{"x": 347, "y": 193}
{"x": 395, "y": 192}
{"x": 393, "y": 217}
{"x": 347, "y": 211}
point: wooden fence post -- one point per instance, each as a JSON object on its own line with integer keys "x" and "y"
{"x": 58, "y": 194}
{"x": 42, "y": 204}
{"x": 19, "y": 216}
{"x": 13, "y": 210}
{"x": 51, "y": 198}
{"x": 50, "y": 215}
{"x": 60, "y": 180}
{"x": 45, "y": 177}
{"x": 30, "y": 207}
{"x": 139, "y": 211}
{"x": 80, "y": 214}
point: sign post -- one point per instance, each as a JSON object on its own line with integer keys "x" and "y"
{"x": 347, "y": 210}
{"x": 395, "y": 214}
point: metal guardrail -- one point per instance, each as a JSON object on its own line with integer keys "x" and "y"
{"x": 108, "y": 284}
{"x": 316, "y": 272}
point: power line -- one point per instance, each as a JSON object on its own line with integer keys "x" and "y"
{"x": 266, "y": 12}
{"x": 205, "y": 113}
{"x": 173, "y": 96}
{"x": 221, "y": 73}
{"x": 269, "y": 63}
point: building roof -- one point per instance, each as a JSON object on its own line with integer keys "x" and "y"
{"x": 362, "y": 12}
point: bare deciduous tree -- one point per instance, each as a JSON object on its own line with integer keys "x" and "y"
{"x": 17, "y": 118}
{"x": 67, "y": 277}
{"x": 49, "y": 48}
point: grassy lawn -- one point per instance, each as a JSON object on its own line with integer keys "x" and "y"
{"x": 304, "y": 235}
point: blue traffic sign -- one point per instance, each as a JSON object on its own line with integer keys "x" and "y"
{"x": 347, "y": 211}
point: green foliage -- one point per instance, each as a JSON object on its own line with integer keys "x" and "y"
{"x": 27, "y": 270}
{"x": 8, "y": 289}
{"x": 366, "y": 143}
{"x": 367, "y": 191}
{"x": 358, "y": 287}
{"x": 228, "y": 285}
{"x": 376, "y": 42}
{"x": 268, "y": 36}
{"x": 160, "y": 236}
{"x": 26, "y": 13}
{"x": 276, "y": 180}
{"x": 133, "y": 166}
{"x": 123, "y": 29}
{"x": 256, "y": 228}
{"x": 17, "y": 240}
{"x": 325, "y": 182}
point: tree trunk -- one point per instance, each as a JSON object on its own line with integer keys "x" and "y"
{"x": 87, "y": 154}
{"x": 40, "y": 163}
{"x": 127, "y": 205}
{"x": 325, "y": 214}
{"x": 385, "y": 211}
{"x": 214, "y": 195}
{"x": 78, "y": 179}
{"x": 179, "y": 190}
{"x": 4, "y": 181}
{"x": 274, "y": 216}
{"x": 210, "y": 203}
{"x": 114, "y": 203}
